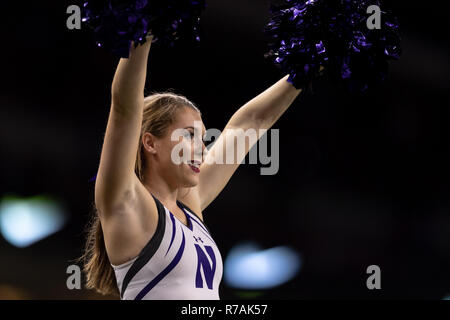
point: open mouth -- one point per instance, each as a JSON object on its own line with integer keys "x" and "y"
{"x": 195, "y": 166}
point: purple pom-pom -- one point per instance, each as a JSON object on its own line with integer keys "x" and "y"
{"x": 306, "y": 35}
{"x": 117, "y": 23}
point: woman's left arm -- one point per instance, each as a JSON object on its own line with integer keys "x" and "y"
{"x": 265, "y": 109}
{"x": 259, "y": 113}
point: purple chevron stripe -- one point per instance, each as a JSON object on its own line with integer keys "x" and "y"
{"x": 195, "y": 219}
{"x": 173, "y": 232}
{"x": 163, "y": 273}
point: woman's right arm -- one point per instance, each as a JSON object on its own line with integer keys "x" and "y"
{"x": 115, "y": 177}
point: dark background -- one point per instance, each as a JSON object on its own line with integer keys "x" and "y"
{"x": 363, "y": 179}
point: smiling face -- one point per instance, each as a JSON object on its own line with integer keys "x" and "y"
{"x": 178, "y": 154}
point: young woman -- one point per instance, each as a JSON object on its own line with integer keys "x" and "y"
{"x": 148, "y": 239}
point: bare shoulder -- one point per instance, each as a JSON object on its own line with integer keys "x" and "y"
{"x": 132, "y": 224}
{"x": 191, "y": 198}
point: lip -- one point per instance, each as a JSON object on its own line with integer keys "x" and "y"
{"x": 195, "y": 169}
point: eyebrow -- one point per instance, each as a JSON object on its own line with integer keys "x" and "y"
{"x": 190, "y": 127}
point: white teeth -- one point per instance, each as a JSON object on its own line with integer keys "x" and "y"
{"x": 194, "y": 164}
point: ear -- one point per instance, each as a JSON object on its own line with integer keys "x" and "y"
{"x": 149, "y": 142}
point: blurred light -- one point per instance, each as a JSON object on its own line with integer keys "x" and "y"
{"x": 447, "y": 297}
{"x": 249, "y": 267}
{"x": 9, "y": 292}
{"x": 26, "y": 221}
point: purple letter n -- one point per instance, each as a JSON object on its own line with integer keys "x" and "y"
{"x": 203, "y": 262}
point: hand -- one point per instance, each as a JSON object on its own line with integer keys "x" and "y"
{"x": 149, "y": 36}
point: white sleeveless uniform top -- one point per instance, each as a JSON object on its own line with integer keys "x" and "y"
{"x": 178, "y": 263}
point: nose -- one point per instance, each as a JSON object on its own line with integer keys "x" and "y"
{"x": 203, "y": 146}
{"x": 199, "y": 147}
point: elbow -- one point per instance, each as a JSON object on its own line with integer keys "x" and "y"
{"x": 262, "y": 121}
{"x": 250, "y": 120}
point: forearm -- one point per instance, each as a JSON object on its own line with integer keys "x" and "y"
{"x": 129, "y": 80}
{"x": 265, "y": 109}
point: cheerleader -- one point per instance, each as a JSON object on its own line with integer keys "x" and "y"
{"x": 148, "y": 239}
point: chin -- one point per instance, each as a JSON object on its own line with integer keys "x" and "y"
{"x": 192, "y": 181}
{"x": 189, "y": 183}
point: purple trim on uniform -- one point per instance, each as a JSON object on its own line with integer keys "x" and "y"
{"x": 189, "y": 226}
{"x": 173, "y": 232}
{"x": 163, "y": 273}
{"x": 200, "y": 224}
{"x": 188, "y": 218}
{"x": 205, "y": 233}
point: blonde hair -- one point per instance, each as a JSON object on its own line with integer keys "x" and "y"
{"x": 159, "y": 113}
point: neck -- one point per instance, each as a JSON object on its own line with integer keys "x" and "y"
{"x": 158, "y": 186}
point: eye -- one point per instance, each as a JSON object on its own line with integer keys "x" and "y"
{"x": 189, "y": 134}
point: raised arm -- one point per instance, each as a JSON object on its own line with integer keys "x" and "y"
{"x": 265, "y": 109}
{"x": 115, "y": 177}
{"x": 259, "y": 113}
